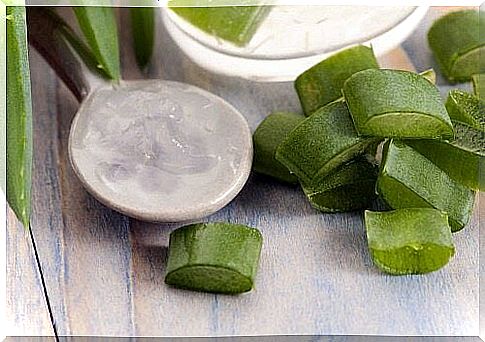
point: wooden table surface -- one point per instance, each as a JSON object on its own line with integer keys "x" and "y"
{"x": 104, "y": 272}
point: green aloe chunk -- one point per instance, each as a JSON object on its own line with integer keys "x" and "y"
{"x": 350, "y": 187}
{"x": 407, "y": 179}
{"x": 269, "y": 134}
{"x": 397, "y": 104}
{"x": 236, "y": 24}
{"x": 321, "y": 143}
{"x": 457, "y": 44}
{"x": 479, "y": 86}
{"x": 463, "y": 159}
{"x": 19, "y": 116}
{"x": 99, "y": 27}
{"x": 322, "y": 83}
{"x": 214, "y": 257}
{"x": 466, "y": 108}
{"x": 409, "y": 241}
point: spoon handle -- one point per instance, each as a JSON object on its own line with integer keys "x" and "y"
{"x": 46, "y": 37}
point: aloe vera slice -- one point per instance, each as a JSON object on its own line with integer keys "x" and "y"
{"x": 479, "y": 86}
{"x": 396, "y": 104}
{"x": 409, "y": 241}
{"x": 407, "y": 179}
{"x": 269, "y": 134}
{"x": 463, "y": 159}
{"x": 214, "y": 257}
{"x": 321, "y": 143}
{"x": 19, "y": 116}
{"x": 466, "y": 108}
{"x": 350, "y": 187}
{"x": 322, "y": 83}
{"x": 457, "y": 44}
{"x": 236, "y": 24}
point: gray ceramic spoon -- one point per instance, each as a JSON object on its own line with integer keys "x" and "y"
{"x": 155, "y": 150}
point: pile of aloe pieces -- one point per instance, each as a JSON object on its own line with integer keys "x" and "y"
{"x": 371, "y": 133}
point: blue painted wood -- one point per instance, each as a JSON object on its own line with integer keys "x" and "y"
{"x": 105, "y": 272}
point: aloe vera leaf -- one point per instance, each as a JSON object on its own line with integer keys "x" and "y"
{"x": 409, "y": 241}
{"x": 269, "y": 134}
{"x": 457, "y": 44}
{"x": 407, "y": 179}
{"x": 350, "y": 187}
{"x": 463, "y": 159}
{"x": 322, "y": 83}
{"x": 214, "y": 257}
{"x": 321, "y": 143}
{"x": 396, "y": 104}
{"x": 479, "y": 86}
{"x": 143, "y": 28}
{"x": 98, "y": 25}
{"x": 466, "y": 108}
{"x": 19, "y": 116}
{"x": 236, "y": 24}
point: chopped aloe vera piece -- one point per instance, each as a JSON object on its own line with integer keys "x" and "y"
{"x": 430, "y": 75}
{"x": 350, "y": 187}
{"x": 466, "y": 108}
{"x": 457, "y": 44}
{"x": 214, "y": 257}
{"x": 396, "y": 104}
{"x": 321, "y": 143}
{"x": 269, "y": 134}
{"x": 409, "y": 241}
{"x": 463, "y": 159}
{"x": 479, "y": 86}
{"x": 407, "y": 179}
{"x": 236, "y": 24}
{"x": 322, "y": 83}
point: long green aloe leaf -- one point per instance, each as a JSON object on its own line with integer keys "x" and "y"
{"x": 19, "y": 116}
{"x": 98, "y": 25}
{"x": 143, "y": 28}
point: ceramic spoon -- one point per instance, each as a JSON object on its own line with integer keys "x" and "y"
{"x": 155, "y": 150}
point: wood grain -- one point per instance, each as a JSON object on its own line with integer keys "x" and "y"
{"x": 104, "y": 271}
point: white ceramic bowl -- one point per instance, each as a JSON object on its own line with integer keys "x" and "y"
{"x": 293, "y": 38}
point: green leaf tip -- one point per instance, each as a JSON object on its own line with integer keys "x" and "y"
{"x": 99, "y": 27}
{"x": 143, "y": 28}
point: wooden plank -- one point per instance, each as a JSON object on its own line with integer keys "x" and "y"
{"x": 26, "y": 311}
